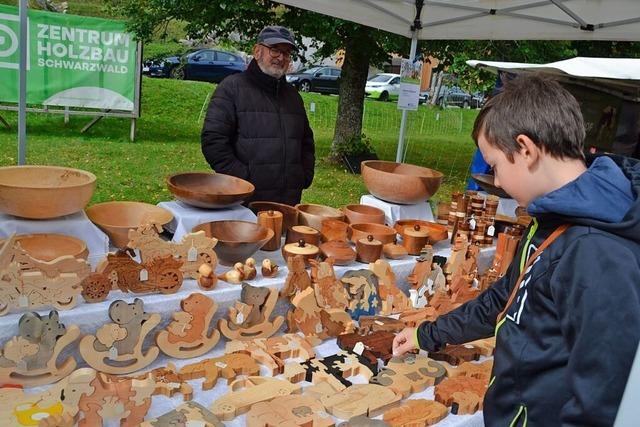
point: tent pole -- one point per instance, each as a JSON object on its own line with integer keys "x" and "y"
{"x": 22, "y": 103}
{"x": 403, "y": 122}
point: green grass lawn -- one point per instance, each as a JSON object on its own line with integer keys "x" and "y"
{"x": 168, "y": 141}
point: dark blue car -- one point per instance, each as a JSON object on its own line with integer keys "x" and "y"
{"x": 209, "y": 65}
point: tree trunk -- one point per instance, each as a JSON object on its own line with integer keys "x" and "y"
{"x": 353, "y": 80}
{"x": 436, "y": 90}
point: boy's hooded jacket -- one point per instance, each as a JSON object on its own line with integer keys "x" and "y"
{"x": 568, "y": 340}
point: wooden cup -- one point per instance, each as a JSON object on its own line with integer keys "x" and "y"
{"x": 272, "y": 220}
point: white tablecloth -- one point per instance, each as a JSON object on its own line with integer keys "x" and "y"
{"x": 186, "y": 217}
{"x": 393, "y": 212}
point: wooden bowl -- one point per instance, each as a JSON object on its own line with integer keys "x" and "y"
{"x": 304, "y": 232}
{"x": 209, "y": 190}
{"x": 117, "y": 218}
{"x": 437, "y": 232}
{"x": 379, "y": 232}
{"x": 42, "y": 192}
{"x": 312, "y": 215}
{"x": 289, "y": 213}
{"x": 340, "y": 251}
{"x": 400, "y": 182}
{"x": 486, "y": 183}
{"x": 47, "y": 247}
{"x": 358, "y": 214}
{"x": 237, "y": 240}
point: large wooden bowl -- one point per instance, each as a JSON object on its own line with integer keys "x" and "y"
{"x": 437, "y": 232}
{"x": 358, "y": 214}
{"x": 42, "y": 192}
{"x": 400, "y": 182}
{"x": 289, "y": 213}
{"x": 486, "y": 183}
{"x": 379, "y": 232}
{"x": 237, "y": 240}
{"x": 117, "y": 218}
{"x": 209, "y": 190}
{"x": 47, "y": 247}
{"x": 312, "y": 215}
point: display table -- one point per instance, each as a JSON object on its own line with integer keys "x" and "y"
{"x": 394, "y": 212}
{"x": 76, "y": 225}
{"x": 185, "y": 217}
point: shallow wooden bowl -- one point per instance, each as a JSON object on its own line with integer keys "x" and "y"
{"x": 358, "y": 214}
{"x": 209, "y": 190}
{"x": 379, "y": 232}
{"x": 486, "y": 183}
{"x": 237, "y": 240}
{"x": 312, "y": 215}
{"x": 400, "y": 182}
{"x": 42, "y": 192}
{"x": 437, "y": 232}
{"x": 289, "y": 213}
{"x": 47, "y": 247}
{"x": 117, "y": 218}
{"x": 341, "y": 252}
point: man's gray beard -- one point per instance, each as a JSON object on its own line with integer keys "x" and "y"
{"x": 275, "y": 75}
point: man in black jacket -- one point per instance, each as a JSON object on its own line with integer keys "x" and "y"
{"x": 256, "y": 126}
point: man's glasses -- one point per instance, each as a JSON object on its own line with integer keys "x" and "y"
{"x": 275, "y": 52}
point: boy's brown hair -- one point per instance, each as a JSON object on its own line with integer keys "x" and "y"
{"x": 539, "y": 108}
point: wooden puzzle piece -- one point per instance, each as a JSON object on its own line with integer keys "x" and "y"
{"x": 409, "y": 374}
{"x": 377, "y": 345}
{"x": 392, "y": 298}
{"x": 290, "y": 411}
{"x": 334, "y": 369}
{"x": 360, "y": 399}
{"x": 330, "y": 292}
{"x": 463, "y": 394}
{"x": 256, "y": 324}
{"x": 298, "y": 279}
{"x": 413, "y": 318}
{"x": 249, "y": 391}
{"x": 368, "y": 324}
{"x": 315, "y": 322}
{"x": 456, "y": 354}
{"x": 28, "y": 409}
{"x": 185, "y": 415}
{"x": 422, "y": 269}
{"x": 363, "y": 421}
{"x": 416, "y": 412}
{"x": 485, "y": 346}
{"x": 362, "y": 291}
{"x": 188, "y": 334}
{"x": 228, "y": 366}
{"x": 468, "y": 369}
{"x": 169, "y": 382}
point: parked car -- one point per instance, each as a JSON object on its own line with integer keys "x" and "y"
{"x": 477, "y": 100}
{"x": 453, "y": 95}
{"x": 316, "y": 79}
{"x": 210, "y": 65}
{"x": 383, "y": 86}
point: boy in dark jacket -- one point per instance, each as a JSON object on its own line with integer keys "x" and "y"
{"x": 566, "y": 315}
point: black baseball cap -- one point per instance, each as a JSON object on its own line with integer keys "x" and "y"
{"x": 275, "y": 34}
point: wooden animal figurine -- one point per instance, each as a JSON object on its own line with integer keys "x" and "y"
{"x": 409, "y": 374}
{"x": 28, "y": 283}
{"x": 369, "y": 324}
{"x": 207, "y": 279}
{"x": 334, "y": 369}
{"x": 363, "y": 421}
{"x": 169, "y": 382}
{"x": 298, "y": 279}
{"x": 393, "y": 299}
{"x": 330, "y": 292}
{"x": 249, "y": 270}
{"x": 31, "y": 357}
{"x": 256, "y": 324}
{"x": 117, "y": 347}
{"x": 416, "y": 412}
{"x": 293, "y": 410}
{"x": 273, "y": 352}
{"x": 456, "y": 354}
{"x": 188, "y": 334}
{"x": 193, "y": 250}
{"x": 373, "y": 347}
{"x": 360, "y": 399}
{"x": 269, "y": 268}
{"x": 418, "y": 297}
{"x": 235, "y": 275}
{"x": 249, "y": 391}
{"x": 464, "y": 395}
{"x": 481, "y": 371}
{"x": 187, "y": 414}
{"x": 31, "y": 409}
{"x": 413, "y": 318}
{"x": 228, "y": 367}
{"x": 422, "y": 269}
{"x": 362, "y": 292}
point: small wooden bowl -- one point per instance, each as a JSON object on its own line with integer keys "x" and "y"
{"x": 340, "y": 251}
{"x": 437, "y": 232}
{"x": 237, "y": 240}
{"x": 209, "y": 190}
{"x": 302, "y": 232}
{"x": 43, "y": 192}
{"x": 307, "y": 251}
{"x": 379, "y": 232}
{"x": 117, "y": 218}
{"x": 359, "y": 214}
{"x": 47, "y": 247}
{"x": 312, "y": 215}
{"x": 486, "y": 183}
{"x": 289, "y": 213}
{"x": 400, "y": 182}
{"x": 333, "y": 229}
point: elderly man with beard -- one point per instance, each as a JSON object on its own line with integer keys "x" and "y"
{"x": 256, "y": 126}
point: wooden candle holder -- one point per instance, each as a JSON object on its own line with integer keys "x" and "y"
{"x": 255, "y": 324}
{"x": 273, "y": 220}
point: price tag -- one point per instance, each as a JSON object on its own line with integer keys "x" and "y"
{"x": 358, "y": 348}
{"x": 221, "y": 365}
{"x": 472, "y": 224}
{"x": 144, "y": 275}
{"x": 318, "y": 328}
{"x": 239, "y": 318}
{"x": 377, "y": 322}
{"x": 23, "y": 301}
{"x": 491, "y": 231}
{"x": 469, "y": 346}
{"x": 113, "y": 353}
{"x": 192, "y": 255}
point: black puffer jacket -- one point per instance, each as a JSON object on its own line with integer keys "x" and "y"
{"x": 565, "y": 348}
{"x": 257, "y": 129}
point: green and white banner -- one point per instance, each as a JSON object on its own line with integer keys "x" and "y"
{"x": 73, "y": 61}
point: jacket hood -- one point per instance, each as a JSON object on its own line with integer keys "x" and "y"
{"x": 606, "y": 196}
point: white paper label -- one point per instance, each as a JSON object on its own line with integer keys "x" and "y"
{"x": 472, "y": 224}
{"x": 144, "y": 275}
{"x": 469, "y": 346}
{"x": 377, "y": 322}
{"x": 358, "y": 348}
{"x": 192, "y": 255}
{"x": 239, "y": 318}
{"x": 491, "y": 231}
{"x": 23, "y": 301}
{"x": 221, "y": 365}
{"x": 113, "y": 353}
{"x": 312, "y": 107}
{"x": 318, "y": 328}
